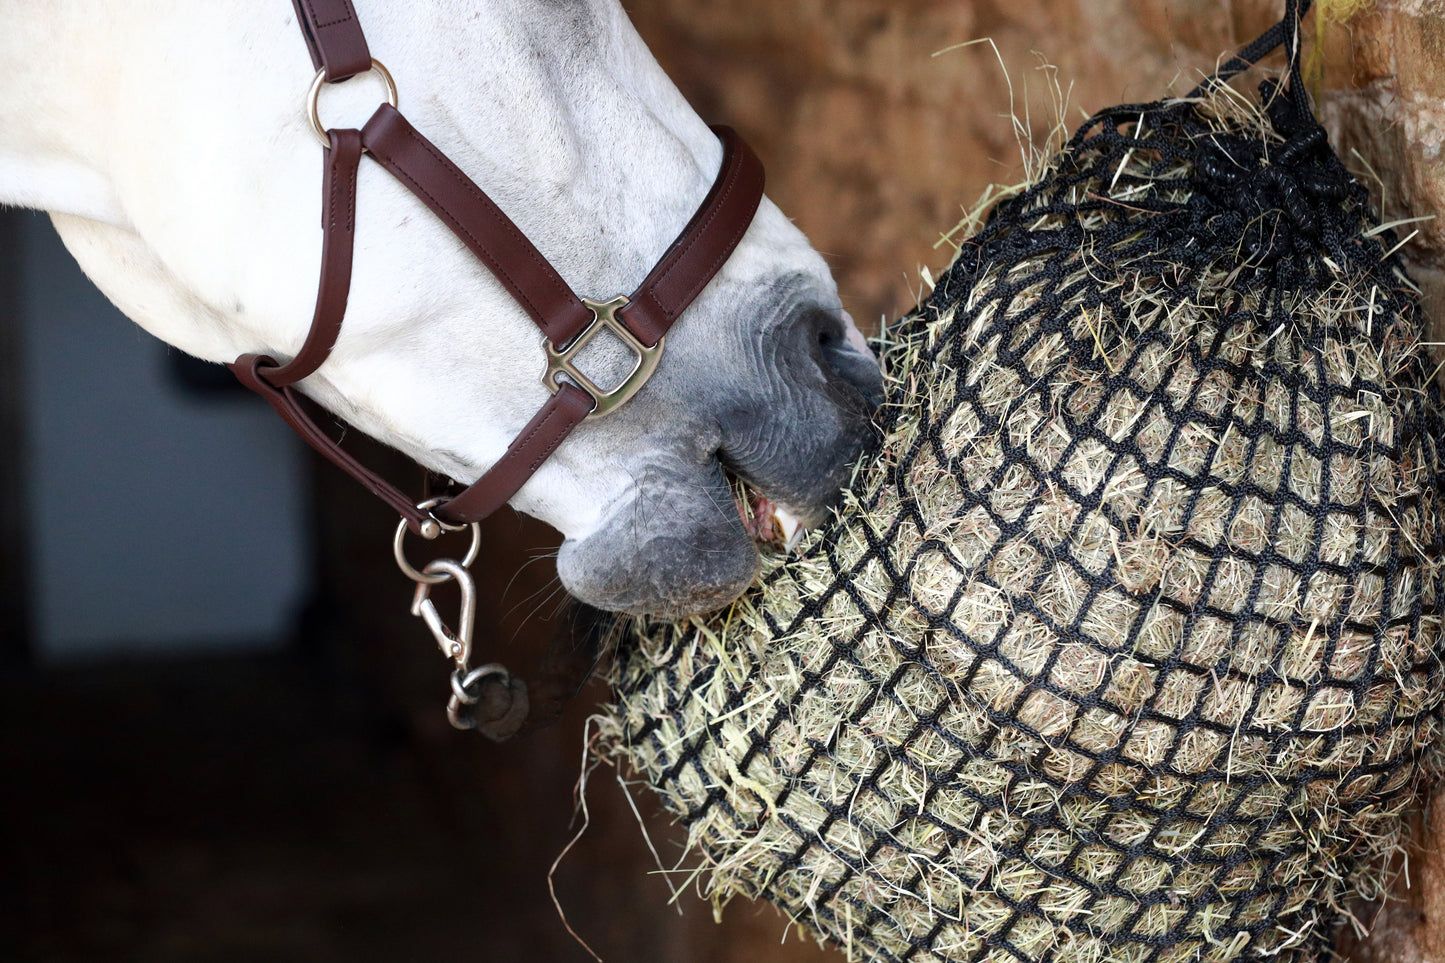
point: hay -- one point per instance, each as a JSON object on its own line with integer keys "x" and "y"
{"x": 1127, "y": 647}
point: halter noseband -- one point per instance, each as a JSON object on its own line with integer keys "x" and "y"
{"x": 339, "y": 51}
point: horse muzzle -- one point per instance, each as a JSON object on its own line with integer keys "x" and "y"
{"x": 790, "y": 419}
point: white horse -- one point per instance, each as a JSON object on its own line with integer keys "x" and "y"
{"x": 169, "y": 142}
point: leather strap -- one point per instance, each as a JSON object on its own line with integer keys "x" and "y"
{"x": 271, "y": 381}
{"x": 478, "y": 222}
{"x": 334, "y": 37}
{"x": 565, "y": 410}
{"x": 250, "y": 370}
{"x": 687, "y": 267}
{"x": 338, "y": 240}
{"x": 704, "y": 245}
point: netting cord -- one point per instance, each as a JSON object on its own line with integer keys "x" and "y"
{"x": 1287, "y": 33}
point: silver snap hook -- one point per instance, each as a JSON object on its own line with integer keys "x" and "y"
{"x": 455, "y": 644}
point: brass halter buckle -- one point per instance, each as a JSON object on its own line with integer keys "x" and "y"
{"x": 604, "y": 317}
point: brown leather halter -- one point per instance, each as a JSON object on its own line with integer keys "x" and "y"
{"x": 339, "y": 51}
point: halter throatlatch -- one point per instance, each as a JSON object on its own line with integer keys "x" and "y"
{"x": 339, "y": 51}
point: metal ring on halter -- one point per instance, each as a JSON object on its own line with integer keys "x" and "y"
{"x": 313, "y": 97}
{"x": 398, "y": 546}
{"x": 466, "y": 692}
{"x": 466, "y": 686}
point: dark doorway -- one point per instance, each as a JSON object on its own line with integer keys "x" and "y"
{"x": 14, "y": 632}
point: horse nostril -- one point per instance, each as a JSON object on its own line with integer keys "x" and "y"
{"x": 846, "y": 363}
{"x": 863, "y": 374}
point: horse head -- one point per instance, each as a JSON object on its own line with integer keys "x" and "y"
{"x": 169, "y": 141}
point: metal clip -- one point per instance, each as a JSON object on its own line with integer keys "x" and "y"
{"x": 455, "y": 645}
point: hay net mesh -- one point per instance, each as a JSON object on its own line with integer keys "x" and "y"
{"x": 1127, "y": 646}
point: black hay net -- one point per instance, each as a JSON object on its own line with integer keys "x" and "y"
{"x": 1127, "y": 647}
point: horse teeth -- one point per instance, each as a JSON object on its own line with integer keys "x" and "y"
{"x": 790, "y": 526}
{"x": 766, "y": 521}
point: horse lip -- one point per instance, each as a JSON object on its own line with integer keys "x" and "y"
{"x": 770, "y": 524}
{"x": 686, "y": 560}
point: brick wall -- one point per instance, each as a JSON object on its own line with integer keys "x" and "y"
{"x": 1384, "y": 101}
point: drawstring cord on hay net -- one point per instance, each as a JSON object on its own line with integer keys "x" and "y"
{"x": 1286, "y": 33}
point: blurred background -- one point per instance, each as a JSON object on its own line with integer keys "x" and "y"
{"x": 220, "y": 728}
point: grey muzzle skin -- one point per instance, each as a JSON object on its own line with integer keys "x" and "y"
{"x": 790, "y": 414}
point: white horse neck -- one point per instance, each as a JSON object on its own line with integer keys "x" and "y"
{"x": 88, "y": 85}
{"x": 61, "y": 86}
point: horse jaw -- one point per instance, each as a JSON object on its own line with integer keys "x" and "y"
{"x": 204, "y": 229}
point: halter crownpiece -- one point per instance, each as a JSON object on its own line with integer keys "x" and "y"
{"x": 339, "y": 51}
